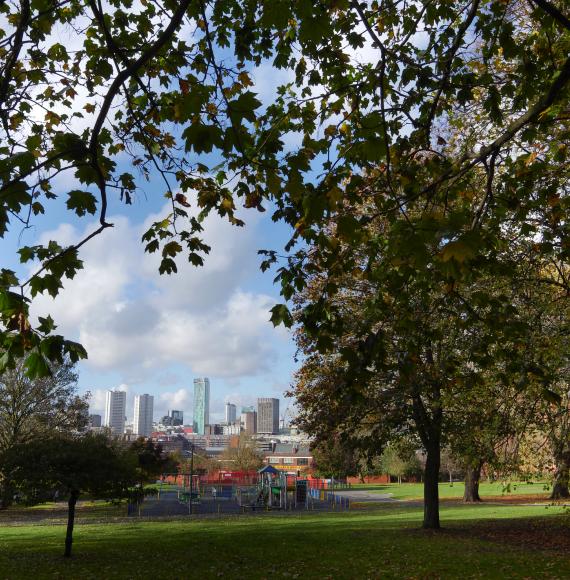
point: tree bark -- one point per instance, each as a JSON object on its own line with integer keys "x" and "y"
{"x": 472, "y": 478}
{"x": 431, "y": 489}
{"x": 6, "y": 494}
{"x": 561, "y": 478}
{"x": 70, "y": 522}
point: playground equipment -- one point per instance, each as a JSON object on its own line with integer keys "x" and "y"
{"x": 274, "y": 490}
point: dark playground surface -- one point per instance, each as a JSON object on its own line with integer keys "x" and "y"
{"x": 168, "y": 503}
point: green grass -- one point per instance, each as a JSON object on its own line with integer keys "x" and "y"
{"x": 385, "y": 542}
{"x": 448, "y": 491}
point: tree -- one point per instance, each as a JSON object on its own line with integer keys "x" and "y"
{"x": 334, "y": 459}
{"x": 72, "y": 466}
{"x": 399, "y": 459}
{"x": 423, "y": 351}
{"x": 34, "y": 408}
{"x": 386, "y": 115}
{"x": 244, "y": 457}
{"x": 449, "y": 464}
{"x": 151, "y": 461}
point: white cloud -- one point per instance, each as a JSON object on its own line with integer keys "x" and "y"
{"x": 134, "y": 321}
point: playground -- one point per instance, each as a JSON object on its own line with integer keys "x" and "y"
{"x": 268, "y": 490}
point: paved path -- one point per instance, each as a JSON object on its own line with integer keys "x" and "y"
{"x": 363, "y": 495}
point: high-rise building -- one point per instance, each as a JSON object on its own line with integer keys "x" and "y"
{"x": 268, "y": 416}
{"x": 143, "y": 415}
{"x": 230, "y": 413}
{"x": 115, "y": 407}
{"x": 201, "y": 405}
{"x": 177, "y": 417}
{"x": 248, "y": 421}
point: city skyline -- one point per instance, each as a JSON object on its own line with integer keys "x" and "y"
{"x": 218, "y": 412}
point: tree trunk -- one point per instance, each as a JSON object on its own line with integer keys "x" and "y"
{"x": 431, "y": 489}
{"x": 70, "y": 521}
{"x": 6, "y": 494}
{"x": 472, "y": 477}
{"x": 561, "y": 478}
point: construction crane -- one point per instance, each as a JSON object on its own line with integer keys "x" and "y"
{"x": 286, "y": 417}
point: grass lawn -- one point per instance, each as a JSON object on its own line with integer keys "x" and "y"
{"x": 490, "y": 541}
{"x": 448, "y": 491}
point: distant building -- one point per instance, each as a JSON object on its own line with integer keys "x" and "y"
{"x": 213, "y": 430}
{"x": 231, "y": 428}
{"x": 144, "y": 405}
{"x": 230, "y": 413}
{"x": 170, "y": 444}
{"x": 173, "y": 419}
{"x": 94, "y": 421}
{"x": 293, "y": 459}
{"x": 268, "y": 416}
{"x": 248, "y": 421}
{"x": 115, "y": 407}
{"x": 177, "y": 417}
{"x": 201, "y": 405}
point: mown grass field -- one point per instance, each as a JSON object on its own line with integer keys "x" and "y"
{"x": 449, "y": 491}
{"x": 489, "y": 541}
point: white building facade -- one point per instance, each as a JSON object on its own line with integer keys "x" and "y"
{"x": 144, "y": 405}
{"x": 115, "y": 408}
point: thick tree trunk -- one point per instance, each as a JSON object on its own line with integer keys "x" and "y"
{"x": 431, "y": 489}
{"x": 6, "y": 494}
{"x": 472, "y": 478}
{"x": 561, "y": 478}
{"x": 70, "y": 522}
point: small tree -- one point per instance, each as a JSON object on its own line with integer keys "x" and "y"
{"x": 151, "y": 461}
{"x": 71, "y": 466}
{"x": 245, "y": 456}
{"x": 398, "y": 460}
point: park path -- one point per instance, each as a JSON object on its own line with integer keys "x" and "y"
{"x": 364, "y": 496}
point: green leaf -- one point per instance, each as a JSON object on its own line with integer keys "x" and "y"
{"x": 46, "y": 324}
{"x": 81, "y": 202}
{"x": 36, "y": 366}
{"x": 280, "y": 314}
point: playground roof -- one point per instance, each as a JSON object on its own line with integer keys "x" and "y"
{"x": 268, "y": 469}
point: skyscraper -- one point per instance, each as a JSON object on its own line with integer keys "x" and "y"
{"x": 143, "y": 415}
{"x": 268, "y": 415}
{"x": 230, "y": 413}
{"x": 115, "y": 407}
{"x": 201, "y": 405}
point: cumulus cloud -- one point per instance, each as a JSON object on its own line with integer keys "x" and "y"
{"x": 133, "y": 320}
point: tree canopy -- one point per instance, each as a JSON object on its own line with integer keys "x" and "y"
{"x": 166, "y": 87}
